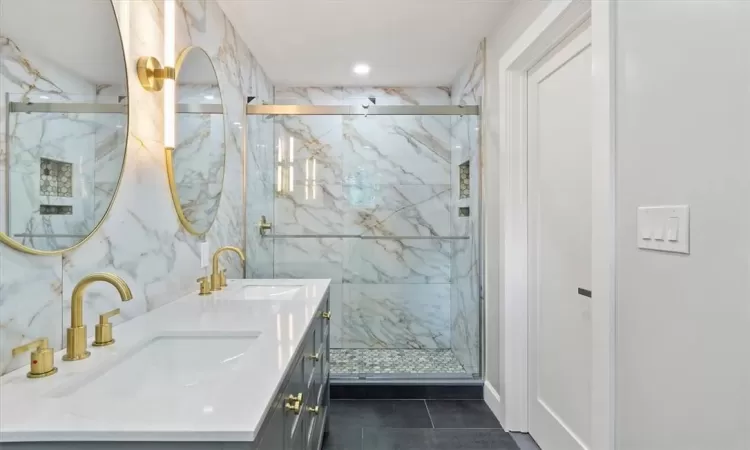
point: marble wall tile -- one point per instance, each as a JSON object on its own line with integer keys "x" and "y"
{"x": 406, "y": 261}
{"x": 313, "y": 146}
{"x": 337, "y": 319}
{"x": 395, "y": 96}
{"x": 360, "y": 95}
{"x": 317, "y": 209}
{"x": 308, "y": 258}
{"x": 396, "y": 316}
{"x": 307, "y": 96}
{"x": 30, "y": 306}
{"x": 468, "y": 86}
{"x": 398, "y": 210}
{"x": 397, "y": 150}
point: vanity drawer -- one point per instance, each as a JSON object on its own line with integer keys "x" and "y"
{"x": 316, "y": 336}
{"x": 296, "y": 385}
{"x": 316, "y": 422}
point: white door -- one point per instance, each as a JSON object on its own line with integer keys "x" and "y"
{"x": 559, "y": 139}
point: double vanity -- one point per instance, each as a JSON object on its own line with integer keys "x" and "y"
{"x": 241, "y": 368}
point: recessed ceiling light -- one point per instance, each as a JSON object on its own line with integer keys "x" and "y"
{"x": 361, "y": 69}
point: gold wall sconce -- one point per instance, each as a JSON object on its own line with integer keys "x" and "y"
{"x": 151, "y": 74}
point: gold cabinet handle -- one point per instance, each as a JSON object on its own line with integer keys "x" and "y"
{"x": 42, "y": 358}
{"x": 205, "y": 285}
{"x": 313, "y": 410}
{"x": 293, "y": 407}
{"x": 315, "y": 357}
{"x": 103, "y": 335}
{"x": 294, "y": 404}
{"x": 326, "y": 315}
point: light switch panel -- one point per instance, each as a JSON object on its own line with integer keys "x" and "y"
{"x": 664, "y": 228}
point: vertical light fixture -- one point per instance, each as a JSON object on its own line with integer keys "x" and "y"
{"x": 291, "y": 164}
{"x": 314, "y": 178}
{"x": 279, "y": 169}
{"x": 307, "y": 179}
{"x": 169, "y": 82}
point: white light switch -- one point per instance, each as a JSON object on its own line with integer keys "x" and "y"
{"x": 664, "y": 228}
{"x": 673, "y": 228}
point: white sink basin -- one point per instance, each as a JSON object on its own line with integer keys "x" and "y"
{"x": 268, "y": 292}
{"x": 166, "y": 367}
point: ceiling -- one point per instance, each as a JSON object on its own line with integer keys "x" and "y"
{"x": 82, "y": 36}
{"x": 407, "y": 43}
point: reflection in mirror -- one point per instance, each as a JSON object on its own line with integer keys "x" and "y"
{"x": 63, "y": 120}
{"x": 199, "y": 154}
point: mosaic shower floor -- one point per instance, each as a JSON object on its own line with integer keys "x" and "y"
{"x": 351, "y": 361}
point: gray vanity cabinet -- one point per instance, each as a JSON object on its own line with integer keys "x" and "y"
{"x": 308, "y": 375}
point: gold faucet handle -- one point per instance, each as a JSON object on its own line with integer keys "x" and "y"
{"x": 103, "y": 332}
{"x": 104, "y": 318}
{"x": 42, "y": 358}
{"x": 223, "y": 277}
{"x": 205, "y": 285}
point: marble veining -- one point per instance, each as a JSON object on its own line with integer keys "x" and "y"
{"x": 397, "y": 149}
{"x": 403, "y": 261}
{"x": 309, "y": 258}
{"x": 396, "y": 316}
{"x": 199, "y": 155}
{"x": 399, "y": 210}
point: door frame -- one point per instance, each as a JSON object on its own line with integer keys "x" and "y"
{"x": 557, "y": 21}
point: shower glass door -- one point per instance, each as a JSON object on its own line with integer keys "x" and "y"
{"x": 384, "y": 206}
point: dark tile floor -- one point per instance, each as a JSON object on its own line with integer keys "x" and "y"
{"x": 415, "y": 425}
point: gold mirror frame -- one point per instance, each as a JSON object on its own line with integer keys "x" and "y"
{"x": 7, "y": 240}
{"x": 169, "y": 151}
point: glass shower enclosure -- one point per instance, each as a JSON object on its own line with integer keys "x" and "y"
{"x": 384, "y": 201}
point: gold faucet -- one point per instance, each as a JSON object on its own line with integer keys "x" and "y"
{"x": 42, "y": 358}
{"x": 77, "y": 330}
{"x": 219, "y": 279}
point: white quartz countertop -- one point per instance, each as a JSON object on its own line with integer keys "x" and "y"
{"x": 115, "y": 396}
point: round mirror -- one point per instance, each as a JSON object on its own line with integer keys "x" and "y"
{"x": 64, "y": 117}
{"x": 196, "y": 164}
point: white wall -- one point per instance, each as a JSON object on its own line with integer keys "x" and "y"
{"x": 508, "y": 30}
{"x": 683, "y": 137}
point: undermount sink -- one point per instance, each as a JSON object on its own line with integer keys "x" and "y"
{"x": 167, "y": 366}
{"x": 268, "y": 292}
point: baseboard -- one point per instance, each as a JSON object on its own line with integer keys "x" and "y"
{"x": 494, "y": 402}
{"x": 408, "y": 391}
